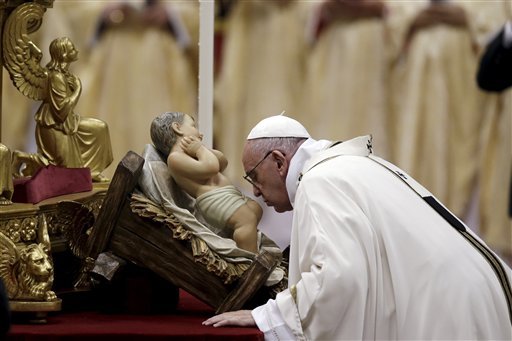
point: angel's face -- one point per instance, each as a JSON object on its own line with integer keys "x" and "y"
{"x": 72, "y": 52}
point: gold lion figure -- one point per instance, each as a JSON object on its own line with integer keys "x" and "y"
{"x": 63, "y": 137}
{"x": 27, "y": 273}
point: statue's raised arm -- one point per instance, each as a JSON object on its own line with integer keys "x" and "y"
{"x": 63, "y": 137}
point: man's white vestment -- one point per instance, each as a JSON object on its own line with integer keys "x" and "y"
{"x": 370, "y": 259}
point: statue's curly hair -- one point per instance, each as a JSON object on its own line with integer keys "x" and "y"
{"x": 162, "y": 134}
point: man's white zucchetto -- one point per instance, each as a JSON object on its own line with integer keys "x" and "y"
{"x": 278, "y": 126}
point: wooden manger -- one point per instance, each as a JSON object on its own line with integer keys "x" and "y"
{"x": 133, "y": 228}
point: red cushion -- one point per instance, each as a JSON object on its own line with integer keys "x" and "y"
{"x": 51, "y": 181}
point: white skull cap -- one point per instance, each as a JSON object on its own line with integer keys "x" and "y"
{"x": 278, "y": 126}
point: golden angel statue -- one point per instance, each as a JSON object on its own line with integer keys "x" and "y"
{"x": 63, "y": 137}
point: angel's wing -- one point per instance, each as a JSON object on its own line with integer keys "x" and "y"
{"x": 8, "y": 258}
{"x": 81, "y": 220}
{"x": 21, "y": 56}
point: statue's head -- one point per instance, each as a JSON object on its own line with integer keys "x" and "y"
{"x": 62, "y": 50}
{"x": 37, "y": 263}
{"x": 162, "y": 133}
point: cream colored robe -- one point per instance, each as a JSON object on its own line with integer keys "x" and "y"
{"x": 437, "y": 106}
{"x": 261, "y": 72}
{"x": 346, "y": 92}
{"x": 133, "y": 76}
{"x": 495, "y": 172}
{"x": 495, "y": 164}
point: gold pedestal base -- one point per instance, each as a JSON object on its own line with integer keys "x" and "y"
{"x": 34, "y": 311}
{"x": 24, "y": 225}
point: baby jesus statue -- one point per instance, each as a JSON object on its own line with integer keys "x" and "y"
{"x": 198, "y": 171}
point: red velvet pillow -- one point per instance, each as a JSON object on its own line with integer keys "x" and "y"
{"x": 51, "y": 181}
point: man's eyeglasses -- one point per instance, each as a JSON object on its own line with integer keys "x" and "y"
{"x": 249, "y": 175}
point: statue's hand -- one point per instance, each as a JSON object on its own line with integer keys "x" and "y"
{"x": 74, "y": 83}
{"x": 191, "y": 145}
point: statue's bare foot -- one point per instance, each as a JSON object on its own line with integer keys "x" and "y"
{"x": 4, "y": 201}
{"x": 100, "y": 178}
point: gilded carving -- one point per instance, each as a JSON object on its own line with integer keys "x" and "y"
{"x": 20, "y": 229}
{"x": 28, "y": 229}
{"x": 12, "y": 230}
{"x": 80, "y": 227}
{"x": 60, "y": 221}
{"x": 94, "y": 206}
{"x": 6, "y": 185}
{"x": 27, "y": 271}
{"x": 57, "y": 223}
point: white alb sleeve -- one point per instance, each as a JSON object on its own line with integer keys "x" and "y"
{"x": 269, "y": 320}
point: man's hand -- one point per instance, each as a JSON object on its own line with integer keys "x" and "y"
{"x": 438, "y": 14}
{"x": 155, "y": 15}
{"x": 332, "y": 10}
{"x": 116, "y": 13}
{"x": 348, "y": 10}
{"x": 240, "y": 318}
{"x": 191, "y": 145}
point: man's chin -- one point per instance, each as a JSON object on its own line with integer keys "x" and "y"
{"x": 279, "y": 209}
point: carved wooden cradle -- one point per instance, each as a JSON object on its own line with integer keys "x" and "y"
{"x": 135, "y": 229}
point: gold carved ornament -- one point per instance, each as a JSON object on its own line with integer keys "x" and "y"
{"x": 27, "y": 271}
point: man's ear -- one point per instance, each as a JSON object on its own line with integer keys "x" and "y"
{"x": 176, "y": 127}
{"x": 282, "y": 162}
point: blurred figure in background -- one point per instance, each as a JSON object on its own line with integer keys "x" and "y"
{"x": 138, "y": 66}
{"x": 437, "y": 106}
{"x": 495, "y": 68}
{"x": 189, "y": 13}
{"x": 495, "y": 77}
{"x": 347, "y": 71}
{"x": 261, "y": 73}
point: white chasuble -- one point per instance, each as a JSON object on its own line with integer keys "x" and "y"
{"x": 370, "y": 259}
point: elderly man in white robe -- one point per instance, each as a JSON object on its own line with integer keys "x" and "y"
{"x": 373, "y": 254}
